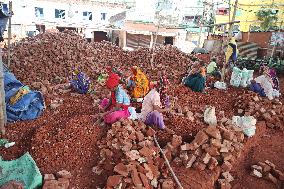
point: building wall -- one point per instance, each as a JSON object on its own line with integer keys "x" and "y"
{"x": 246, "y": 12}
{"x": 25, "y": 15}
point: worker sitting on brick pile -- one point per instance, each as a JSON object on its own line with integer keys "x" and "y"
{"x": 196, "y": 78}
{"x": 138, "y": 84}
{"x": 151, "y": 113}
{"x": 266, "y": 84}
{"x": 212, "y": 69}
{"x": 80, "y": 82}
{"x": 118, "y": 106}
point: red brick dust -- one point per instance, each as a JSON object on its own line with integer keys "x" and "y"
{"x": 64, "y": 138}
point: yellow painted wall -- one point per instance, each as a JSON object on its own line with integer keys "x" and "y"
{"x": 247, "y": 18}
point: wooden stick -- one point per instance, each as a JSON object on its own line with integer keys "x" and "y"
{"x": 168, "y": 164}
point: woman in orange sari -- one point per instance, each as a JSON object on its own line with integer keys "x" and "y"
{"x": 138, "y": 83}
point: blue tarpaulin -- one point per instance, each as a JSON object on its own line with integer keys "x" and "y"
{"x": 28, "y": 107}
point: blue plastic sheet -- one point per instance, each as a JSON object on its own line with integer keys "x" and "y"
{"x": 28, "y": 107}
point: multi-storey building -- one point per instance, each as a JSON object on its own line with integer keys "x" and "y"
{"x": 85, "y": 16}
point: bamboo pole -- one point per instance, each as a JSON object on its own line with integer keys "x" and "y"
{"x": 3, "y": 117}
{"x": 229, "y": 37}
{"x": 9, "y": 34}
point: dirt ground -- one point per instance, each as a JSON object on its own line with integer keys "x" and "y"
{"x": 66, "y": 137}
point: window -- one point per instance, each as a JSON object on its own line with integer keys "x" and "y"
{"x": 59, "y": 13}
{"x": 87, "y": 15}
{"x": 39, "y": 12}
{"x": 103, "y": 16}
{"x": 222, "y": 11}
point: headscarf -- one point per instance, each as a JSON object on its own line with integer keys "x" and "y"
{"x": 273, "y": 75}
{"x": 112, "y": 81}
{"x": 141, "y": 83}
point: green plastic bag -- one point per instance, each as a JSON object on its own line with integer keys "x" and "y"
{"x": 22, "y": 170}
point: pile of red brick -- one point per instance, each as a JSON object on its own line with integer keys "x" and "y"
{"x": 272, "y": 112}
{"x": 212, "y": 147}
{"x": 129, "y": 157}
{"x": 51, "y": 57}
{"x": 268, "y": 171}
{"x": 62, "y": 182}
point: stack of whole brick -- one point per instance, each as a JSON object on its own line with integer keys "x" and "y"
{"x": 129, "y": 156}
{"x": 268, "y": 171}
{"x": 212, "y": 147}
{"x": 271, "y": 111}
{"x": 62, "y": 182}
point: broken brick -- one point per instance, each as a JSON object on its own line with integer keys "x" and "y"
{"x": 215, "y": 142}
{"x": 63, "y": 183}
{"x": 144, "y": 180}
{"x": 267, "y": 117}
{"x": 278, "y": 174}
{"x": 198, "y": 152}
{"x": 212, "y": 151}
{"x": 227, "y": 156}
{"x": 139, "y": 136}
{"x": 229, "y": 135}
{"x": 226, "y": 166}
{"x": 272, "y": 165}
{"x": 228, "y": 176}
{"x": 200, "y": 139}
{"x": 168, "y": 184}
{"x": 271, "y": 178}
{"x": 147, "y": 152}
{"x": 176, "y": 141}
{"x": 191, "y": 160}
{"x": 256, "y": 173}
{"x": 199, "y": 166}
{"x": 257, "y": 167}
{"x": 185, "y": 147}
{"x": 114, "y": 180}
{"x": 150, "y": 132}
{"x": 64, "y": 174}
{"x": 48, "y": 177}
{"x": 205, "y": 158}
{"x": 212, "y": 163}
{"x": 265, "y": 168}
{"x": 213, "y": 131}
{"x": 121, "y": 169}
{"x": 15, "y": 185}
{"x": 136, "y": 179}
{"x": 50, "y": 184}
{"x": 224, "y": 184}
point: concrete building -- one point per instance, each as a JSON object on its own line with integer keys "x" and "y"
{"x": 246, "y": 14}
{"x": 33, "y": 16}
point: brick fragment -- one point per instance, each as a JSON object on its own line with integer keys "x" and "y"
{"x": 50, "y": 184}
{"x": 63, "y": 183}
{"x": 121, "y": 169}
{"x": 271, "y": 178}
{"x": 213, "y": 163}
{"x": 213, "y": 132}
{"x": 265, "y": 168}
{"x": 229, "y": 135}
{"x": 228, "y": 176}
{"x": 199, "y": 166}
{"x": 168, "y": 184}
{"x": 136, "y": 179}
{"x": 191, "y": 160}
{"x": 139, "y": 136}
{"x": 150, "y": 132}
{"x": 227, "y": 156}
{"x": 215, "y": 142}
{"x": 63, "y": 174}
{"x": 278, "y": 174}
{"x": 114, "y": 180}
{"x": 256, "y": 173}
{"x": 199, "y": 139}
{"x": 272, "y": 165}
{"x": 224, "y": 184}
{"x": 176, "y": 141}
{"x": 226, "y": 166}
{"x": 48, "y": 177}
{"x": 185, "y": 147}
{"x": 212, "y": 151}
{"x": 145, "y": 181}
{"x": 205, "y": 158}
{"x": 147, "y": 152}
